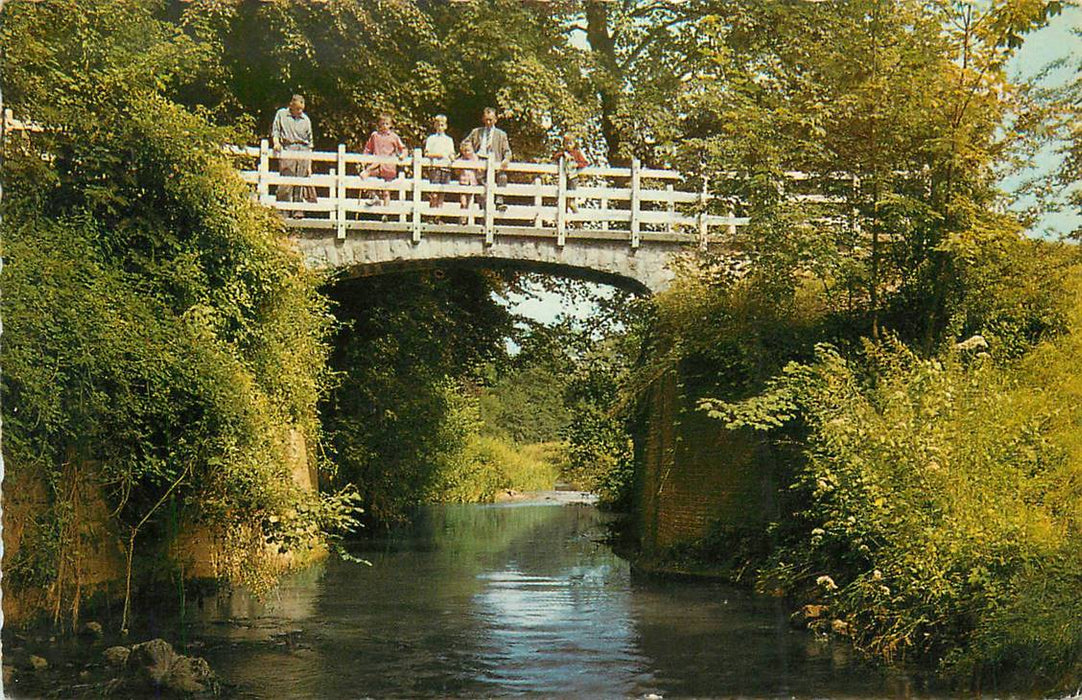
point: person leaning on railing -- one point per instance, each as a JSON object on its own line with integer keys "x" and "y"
{"x": 440, "y": 151}
{"x": 574, "y": 161}
{"x": 292, "y": 131}
{"x": 467, "y": 175}
{"x": 383, "y": 142}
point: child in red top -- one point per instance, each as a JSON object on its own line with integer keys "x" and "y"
{"x": 384, "y": 142}
{"x": 574, "y": 160}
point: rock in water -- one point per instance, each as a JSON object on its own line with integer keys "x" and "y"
{"x": 91, "y": 631}
{"x": 156, "y": 662}
{"x": 116, "y": 656}
{"x": 189, "y": 675}
{"x": 152, "y": 660}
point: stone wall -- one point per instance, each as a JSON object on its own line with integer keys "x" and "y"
{"x": 693, "y": 474}
{"x": 94, "y": 559}
{"x": 199, "y": 553}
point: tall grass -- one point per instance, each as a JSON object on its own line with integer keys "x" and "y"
{"x": 492, "y": 464}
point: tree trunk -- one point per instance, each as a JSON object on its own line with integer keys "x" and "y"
{"x": 607, "y": 80}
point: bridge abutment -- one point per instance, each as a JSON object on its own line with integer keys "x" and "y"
{"x": 698, "y": 485}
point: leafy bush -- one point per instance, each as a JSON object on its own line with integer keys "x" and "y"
{"x": 940, "y": 514}
{"x": 490, "y": 464}
{"x": 158, "y": 326}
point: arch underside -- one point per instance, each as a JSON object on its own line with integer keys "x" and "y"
{"x": 492, "y": 263}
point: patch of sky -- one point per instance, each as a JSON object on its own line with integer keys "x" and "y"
{"x": 1060, "y": 41}
{"x": 544, "y": 304}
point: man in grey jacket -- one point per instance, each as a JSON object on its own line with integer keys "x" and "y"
{"x": 491, "y": 142}
{"x": 292, "y": 133}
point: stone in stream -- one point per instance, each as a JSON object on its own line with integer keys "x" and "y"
{"x": 156, "y": 663}
{"x": 152, "y": 660}
{"x": 90, "y": 632}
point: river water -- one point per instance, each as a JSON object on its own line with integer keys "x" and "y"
{"x": 523, "y": 598}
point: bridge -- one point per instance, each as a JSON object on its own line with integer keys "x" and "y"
{"x": 619, "y": 225}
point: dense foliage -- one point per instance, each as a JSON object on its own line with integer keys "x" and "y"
{"x": 892, "y": 346}
{"x": 157, "y": 327}
{"x": 936, "y": 507}
{"x": 354, "y": 60}
{"x": 941, "y": 506}
{"x": 407, "y": 349}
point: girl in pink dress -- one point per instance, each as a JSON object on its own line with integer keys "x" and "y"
{"x": 468, "y": 176}
{"x": 383, "y": 142}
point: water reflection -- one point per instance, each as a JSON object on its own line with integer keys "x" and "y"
{"x": 483, "y": 601}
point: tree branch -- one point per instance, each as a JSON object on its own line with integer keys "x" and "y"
{"x": 651, "y": 36}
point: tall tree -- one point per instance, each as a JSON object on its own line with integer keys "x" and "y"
{"x": 909, "y": 101}
{"x": 355, "y": 60}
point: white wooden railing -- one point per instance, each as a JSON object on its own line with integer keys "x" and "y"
{"x": 635, "y": 204}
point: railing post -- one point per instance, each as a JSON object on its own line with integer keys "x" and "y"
{"x": 400, "y": 194}
{"x": 340, "y": 192}
{"x": 605, "y": 208}
{"x": 538, "y": 202}
{"x": 670, "y": 207}
{"x": 416, "y": 195}
{"x": 262, "y": 187}
{"x": 561, "y": 202}
{"x": 704, "y": 233}
{"x": 471, "y": 211}
{"x": 855, "y": 213}
{"x": 634, "y": 202}
{"x": 490, "y": 200}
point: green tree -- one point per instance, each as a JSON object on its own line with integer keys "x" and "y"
{"x": 161, "y": 329}
{"x": 355, "y": 60}
{"x": 407, "y": 352}
{"x": 911, "y": 99}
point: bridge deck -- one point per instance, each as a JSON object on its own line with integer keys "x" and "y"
{"x": 638, "y": 205}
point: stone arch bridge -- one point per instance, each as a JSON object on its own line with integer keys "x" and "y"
{"x": 620, "y": 226}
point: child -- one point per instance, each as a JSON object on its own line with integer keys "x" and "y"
{"x": 468, "y": 175}
{"x": 383, "y": 142}
{"x": 574, "y": 160}
{"x": 440, "y": 148}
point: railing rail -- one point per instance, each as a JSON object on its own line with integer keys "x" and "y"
{"x": 635, "y": 204}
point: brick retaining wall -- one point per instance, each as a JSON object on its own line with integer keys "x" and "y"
{"x": 693, "y": 473}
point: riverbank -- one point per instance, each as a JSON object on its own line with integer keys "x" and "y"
{"x": 545, "y": 498}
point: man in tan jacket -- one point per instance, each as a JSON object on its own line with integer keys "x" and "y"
{"x": 491, "y": 142}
